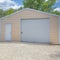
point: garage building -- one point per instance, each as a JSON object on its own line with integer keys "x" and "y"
{"x": 29, "y": 25}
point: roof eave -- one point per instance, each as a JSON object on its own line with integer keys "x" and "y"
{"x": 29, "y": 9}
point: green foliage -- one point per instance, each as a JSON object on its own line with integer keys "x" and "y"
{"x": 35, "y": 4}
{"x": 9, "y": 11}
{"x": 42, "y": 5}
{"x": 47, "y": 6}
{"x": 56, "y": 12}
{"x": 2, "y": 13}
{"x": 20, "y": 8}
{"x": 6, "y": 12}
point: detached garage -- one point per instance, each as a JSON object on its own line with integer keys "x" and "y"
{"x": 29, "y": 25}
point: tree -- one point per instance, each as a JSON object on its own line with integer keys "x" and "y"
{"x": 42, "y": 5}
{"x": 2, "y": 13}
{"x": 6, "y": 12}
{"x": 9, "y": 11}
{"x": 48, "y": 6}
{"x": 20, "y": 8}
{"x": 55, "y": 12}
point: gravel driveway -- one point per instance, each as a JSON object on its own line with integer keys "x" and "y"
{"x": 27, "y": 51}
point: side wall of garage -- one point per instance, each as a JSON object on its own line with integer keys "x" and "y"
{"x": 54, "y": 30}
{"x": 15, "y": 20}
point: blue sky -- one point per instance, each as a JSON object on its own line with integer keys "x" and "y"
{"x": 57, "y": 3}
{"x": 15, "y": 4}
{"x": 19, "y": 1}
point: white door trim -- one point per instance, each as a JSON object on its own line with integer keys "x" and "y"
{"x": 59, "y": 30}
{"x": 0, "y": 30}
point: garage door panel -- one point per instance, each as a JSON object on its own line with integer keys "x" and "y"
{"x": 36, "y": 30}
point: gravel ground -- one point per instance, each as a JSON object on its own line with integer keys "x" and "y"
{"x": 28, "y": 51}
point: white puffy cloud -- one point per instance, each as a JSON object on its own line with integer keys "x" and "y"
{"x": 57, "y": 0}
{"x": 46, "y": 0}
{"x": 6, "y": 4}
{"x": 2, "y": 0}
{"x": 57, "y": 9}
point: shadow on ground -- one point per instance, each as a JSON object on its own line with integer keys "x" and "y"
{"x": 55, "y": 55}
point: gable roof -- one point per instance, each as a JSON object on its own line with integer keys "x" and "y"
{"x": 29, "y": 9}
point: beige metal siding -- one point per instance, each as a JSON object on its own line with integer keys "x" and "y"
{"x": 54, "y": 30}
{"x": 33, "y": 14}
{"x": 15, "y": 29}
{"x": 29, "y": 14}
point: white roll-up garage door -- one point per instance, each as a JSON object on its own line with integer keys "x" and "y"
{"x": 35, "y": 30}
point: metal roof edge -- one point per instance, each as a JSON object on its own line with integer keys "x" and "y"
{"x": 12, "y": 14}
{"x": 43, "y": 12}
{"x": 29, "y": 9}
